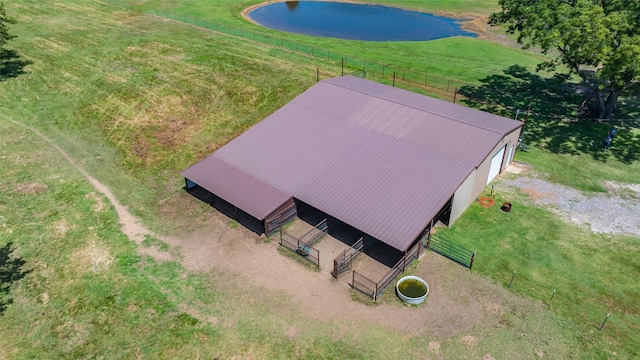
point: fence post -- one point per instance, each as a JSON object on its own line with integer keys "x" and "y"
{"x": 394, "y": 79}
{"x": 604, "y": 322}
{"x": 512, "y": 276}
{"x": 375, "y": 294}
{"x": 473, "y": 258}
{"x": 425, "y": 79}
{"x": 353, "y": 279}
{"x": 317, "y": 74}
{"x": 455, "y": 94}
{"x": 342, "y": 66}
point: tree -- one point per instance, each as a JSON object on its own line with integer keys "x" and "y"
{"x": 599, "y": 40}
{"x": 4, "y": 26}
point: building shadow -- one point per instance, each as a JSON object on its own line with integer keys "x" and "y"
{"x": 11, "y": 64}
{"x": 349, "y": 235}
{"x": 226, "y": 208}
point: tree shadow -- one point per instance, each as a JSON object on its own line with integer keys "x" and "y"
{"x": 10, "y": 272}
{"x": 11, "y": 64}
{"x": 550, "y": 109}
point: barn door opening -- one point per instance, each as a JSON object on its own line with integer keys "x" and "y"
{"x": 496, "y": 164}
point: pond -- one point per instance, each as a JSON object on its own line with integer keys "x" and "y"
{"x": 355, "y": 21}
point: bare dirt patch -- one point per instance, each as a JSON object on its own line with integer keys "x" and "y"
{"x": 99, "y": 206}
{"x": 469, "y": 340}
{"x": 60, "y": 228}
{"x": 94, "y": 257}
{"x": 31, "y": 188}
{"x": 454, "y": 290}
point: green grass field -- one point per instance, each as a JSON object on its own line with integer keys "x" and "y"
{"x": 462, "y": 59}
{"x": 134, "y": 99}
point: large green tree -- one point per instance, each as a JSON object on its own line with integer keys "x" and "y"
{"x": 599, "y": 40}
{"x": 4, "y": 26}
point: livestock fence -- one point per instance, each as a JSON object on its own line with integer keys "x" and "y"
{"x": 343, "y": 262}
{"x": 451, "y": 250}
{"x": 442, "y": 87}
{"x": 283, "y": 215}
{"x": 348, "y": 63}
{"x": 303, "y": 245}
{"x": 374, "y": 289}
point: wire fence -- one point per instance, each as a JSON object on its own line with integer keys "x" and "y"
{"x": 443, "y": 86}
{"x": 491, "y": 99}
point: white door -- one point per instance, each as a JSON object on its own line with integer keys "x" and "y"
{"x": 510, "y": 156}
{"x": 496, "y": 164}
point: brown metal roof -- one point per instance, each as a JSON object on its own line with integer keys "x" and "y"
{"x": 246, "y": 192}
{"x": 381, "y": 159}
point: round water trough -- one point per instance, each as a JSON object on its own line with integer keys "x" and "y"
{"x": 412, "y": 289}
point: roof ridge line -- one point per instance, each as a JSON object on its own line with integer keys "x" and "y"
{"x": 413, "y": 107}
{"x": 400, "y": 140}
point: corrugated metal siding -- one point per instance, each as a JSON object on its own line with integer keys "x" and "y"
{"x": 246, "y": 192}
{"x": 364, "y": 153}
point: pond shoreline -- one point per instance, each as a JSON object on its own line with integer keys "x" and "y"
{"x": 472, "y": 23}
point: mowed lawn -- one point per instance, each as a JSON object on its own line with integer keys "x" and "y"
{"x": 134, "y": 99}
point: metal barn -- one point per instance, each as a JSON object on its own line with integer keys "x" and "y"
{"x": 383, "y": 160}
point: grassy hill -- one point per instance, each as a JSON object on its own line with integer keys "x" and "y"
{"x": 133, "y": 99}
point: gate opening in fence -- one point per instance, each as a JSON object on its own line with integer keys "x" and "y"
{"x": 303, "y": 245}
{"x": 343, "y": 262}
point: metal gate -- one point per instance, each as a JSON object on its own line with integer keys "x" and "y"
{"x": 451, "y": 250}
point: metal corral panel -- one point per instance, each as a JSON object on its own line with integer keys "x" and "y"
{"x": 239, "y": 188}
{"x": 381, "y": 159}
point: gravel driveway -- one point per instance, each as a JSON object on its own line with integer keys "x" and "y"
{"x": 608, "y": 212}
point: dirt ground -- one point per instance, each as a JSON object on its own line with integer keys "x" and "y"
{"x": 454, "y": 290}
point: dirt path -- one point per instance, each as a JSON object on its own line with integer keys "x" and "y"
{"x": 243, "y": 254}
{"x": 128, "y": 223}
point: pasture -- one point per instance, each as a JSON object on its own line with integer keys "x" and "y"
{"x": 133, "y": 99}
